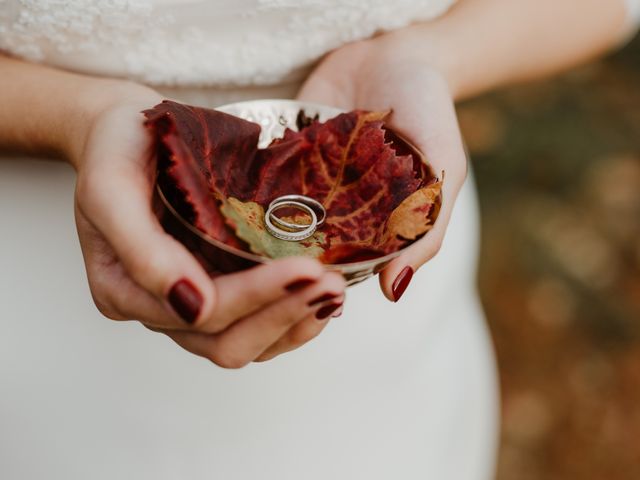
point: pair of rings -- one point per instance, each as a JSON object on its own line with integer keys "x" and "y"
{"x": 294, "y": 232}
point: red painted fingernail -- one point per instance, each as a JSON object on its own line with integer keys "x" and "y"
{"x": 326, "y": 311}
{"x": 401, "y": 283}
{"x": 299, "y": 285}
{"x": 322, "y": 298}
{"x": 186, "y": 300}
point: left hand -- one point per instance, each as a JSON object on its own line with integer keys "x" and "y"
{"x": 374, "y": 75}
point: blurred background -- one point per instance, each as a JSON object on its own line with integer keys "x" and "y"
{"x": 558, "y": 168}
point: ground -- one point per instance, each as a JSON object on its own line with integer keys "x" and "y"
{"x": 557, "y": 165}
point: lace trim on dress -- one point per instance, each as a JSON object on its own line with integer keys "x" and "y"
{"x": 155, "y": 45}
{"x": 31, "y": 28}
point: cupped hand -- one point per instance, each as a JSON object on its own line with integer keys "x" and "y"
{"x": 137, "y": 271}
{"x": 377, "y": 75}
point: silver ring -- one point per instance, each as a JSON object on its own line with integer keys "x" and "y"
{"x": 288, "y": 226}
{"x": 315, "y": 205}
{"x": 290, "y": 236}
{"x": 283, "y": 224}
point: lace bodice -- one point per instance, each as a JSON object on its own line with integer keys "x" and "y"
{"x": 197, "y": 42}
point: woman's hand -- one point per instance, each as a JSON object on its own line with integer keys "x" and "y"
{"x": 137, "y": 271}
{"x": 375, "y": 75}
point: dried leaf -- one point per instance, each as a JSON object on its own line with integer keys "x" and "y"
{"x": 183, "y": 146}
{"x": 360, "y": 171}
{"x": 416, "y": 214}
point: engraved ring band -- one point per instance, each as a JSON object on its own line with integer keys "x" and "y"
{"x": 294, "y": 232}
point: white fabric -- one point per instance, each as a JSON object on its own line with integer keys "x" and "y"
{"x": 404, "y": 391}
{"x": 633, "y": 18}
{"x": 388, "y": 391}
{"x": 197, "y": 42}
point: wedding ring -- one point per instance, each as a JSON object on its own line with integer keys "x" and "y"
{"x": 319, "y": 210}
{"x": 300, "y": 232}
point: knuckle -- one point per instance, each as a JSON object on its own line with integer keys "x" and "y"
{"x": 156, "y": 329}
{"x": 142, "y": 262}
{"x": 265, "y": 357}
{"x": 334, "y": 283}
{"x": 435, "y": 248}
{"x": 208, "y": 327}
{"x": 296, "y": 265}
{"x": 88, "y": 188}
{"x": 430, "y": 249}
{"x": 288, "y": 316}
{"x": 83, "y": 186}
{"x": 253, "y": 289}
{"x": 211, "y": 322}
{"x": 106, "y": 309}
{"x": 102, "y": 302}
{"x": 227, "y": 359}
{"x": 146, "y": 266}
{"x": 340, "y": 281}
{"x": 302, "y": 335}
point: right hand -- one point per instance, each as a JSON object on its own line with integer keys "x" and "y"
{"x": 137, "y": 271}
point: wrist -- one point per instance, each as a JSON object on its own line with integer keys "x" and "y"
{"x": 91, "y": 101}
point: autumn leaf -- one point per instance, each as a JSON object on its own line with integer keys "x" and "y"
{"x": 415, "y": 215}
{"x": 359, "y": 170}
{"x": 183, "y": 145}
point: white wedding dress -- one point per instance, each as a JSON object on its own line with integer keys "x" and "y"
{"x": 388, "y": 391}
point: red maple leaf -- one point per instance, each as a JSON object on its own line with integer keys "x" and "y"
{"x": 360, "y": 171}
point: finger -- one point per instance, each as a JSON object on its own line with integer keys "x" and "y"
{"x": 119, "y": 297}
{"x": 243, "y": 293}
{"x": 245, "y": 340}
{"x": 396, "y": 276}
{"x": 117, "y": 203}
{"x": 238, "y": 294}
{"x": 114, "y": 293}
{"x": 116, "y": 199}
{"x": 305, "y": 330}
{"x": 250, "y": 337}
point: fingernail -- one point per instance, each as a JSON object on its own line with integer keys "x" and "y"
{"x": 321, "y": 299}
{"x": 186, "y": 300}
{"x": 299, "y": 285}
{"x": 326, "y": 311}
{"x": 401, "y": 283}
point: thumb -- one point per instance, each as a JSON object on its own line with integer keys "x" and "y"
{"x": 433, "y": 127}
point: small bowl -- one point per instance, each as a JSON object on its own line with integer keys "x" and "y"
{"x": 218, "y": 257}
